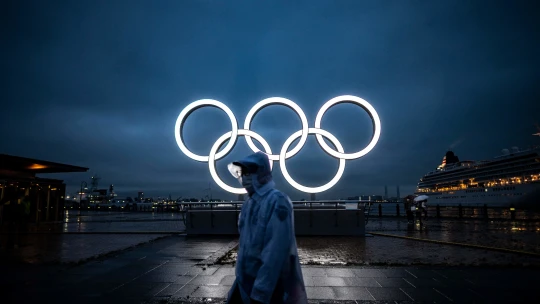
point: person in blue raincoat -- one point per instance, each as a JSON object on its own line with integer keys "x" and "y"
{"x": 267, "y": 267}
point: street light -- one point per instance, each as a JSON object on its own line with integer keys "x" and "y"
{"x": 83, "y": 184}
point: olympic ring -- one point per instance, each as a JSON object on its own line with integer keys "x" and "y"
{"x": 340, "y": 154}
{"x": 184, "y": 115}
{"x": 366, "y": 106}
{"x": 278, "y": 100}
{"x": 219, "y": 142}
{"x": 291, "y": 181}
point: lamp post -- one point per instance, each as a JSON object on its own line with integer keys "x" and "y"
{"x": 83, "y": 184}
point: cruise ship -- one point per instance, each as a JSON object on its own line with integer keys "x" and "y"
{"x": 511, "y": 179}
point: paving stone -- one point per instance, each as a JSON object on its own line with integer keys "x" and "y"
{"x": 169, "y": 290}
{"x": 313, "y": 271}
{"x": 206, "y": 280}
{"x": 225, "y": 270}
{"x": 228, "y": 280}
{"x": 137, "y": 289}
{"x": 368, "y": 273}
{"x": 461, "y": 283}
{"x": 159, "y": 277}
{"x": 388, "y": 293}
{"x": 352, "y": 293}
{"x": 395, "y": 273}
{"x": 425, "y": 282}
{"x": 175, "y": 270}
{"x": 328, "y": 281}
{"x": 393, "y": 282}
{"x": 201, "y": 271}
{"x": 320, "y": 293}
{"x": 425, "y": 294}
{"x": 422, "y": 273}
{"x": 211, "y": 291}
{"x": 361, "y": 282}
{"x": 185, "y": 291}
{"x": 461, "y": 295}
{"x": 339, "y": 272}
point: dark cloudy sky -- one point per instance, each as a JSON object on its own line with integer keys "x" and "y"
{"x": 100, "y": 84}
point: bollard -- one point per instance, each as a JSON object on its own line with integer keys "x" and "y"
{"x": 486, "y": 216}
{"x": 236, "y": 212}
{"x": 512, "y": 212}
{"x": 335, "y": 214}
{"x": 397, "y": 209}
{"x": 380, "y": 210}
{"x": 310, "y": 215}
{"x": 460, "y": 210}
{"x": 212, "y": 215}
{"x": 438, "y": 211}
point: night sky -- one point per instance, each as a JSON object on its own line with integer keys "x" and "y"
{"x": 100, "y": 84}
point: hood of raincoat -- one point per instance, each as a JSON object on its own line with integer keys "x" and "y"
{"x": 262, "y": 178}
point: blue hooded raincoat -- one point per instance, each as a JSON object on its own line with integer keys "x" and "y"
{"x": 267, "y": 268}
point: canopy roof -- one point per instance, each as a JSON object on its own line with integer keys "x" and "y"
{"x": 30, "y": 165}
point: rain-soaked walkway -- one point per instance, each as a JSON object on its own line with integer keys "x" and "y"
{"x": 171, "y": 268}
{"x": 518, "y": 236}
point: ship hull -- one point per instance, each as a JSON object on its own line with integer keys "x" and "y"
{"x": 523, "y": 196}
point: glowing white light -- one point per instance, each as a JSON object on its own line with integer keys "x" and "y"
{"x": 366, "y": 106}
{"x": 296, "y": 185}
{"x": 284, "y": 154}
{"x": 212, "y": 157}
{"x": 184, "y": 115}
{"x": 286, "y": 102}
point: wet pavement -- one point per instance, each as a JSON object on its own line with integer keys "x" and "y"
{"x": 91, "y": 235}
{"x": 70, "y": 248}
{"x": 165, "y": 268}
{"x": 381, "y": 250}
{"x": 167, "y": 271}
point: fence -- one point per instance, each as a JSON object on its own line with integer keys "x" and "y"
{"x": 373, "y": 209}
{"x": 458, "y": 212}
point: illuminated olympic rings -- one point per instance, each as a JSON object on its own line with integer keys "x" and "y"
{"x": 283, "y": 154}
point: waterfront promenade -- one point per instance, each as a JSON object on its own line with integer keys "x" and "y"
{"x": 96, "y": 266}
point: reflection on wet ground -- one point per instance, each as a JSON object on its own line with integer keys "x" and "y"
{"x": 70, "y": 248}
{"x": 523, "y": 236}
{"x": 378, "y": 250}
{"x": 169, "y": 270}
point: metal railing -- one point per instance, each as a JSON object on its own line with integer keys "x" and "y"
{"x": 459, "y": 211}
{"x": 371, "y": 209}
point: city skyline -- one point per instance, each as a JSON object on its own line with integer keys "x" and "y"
{"x": 100, "y": 85}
